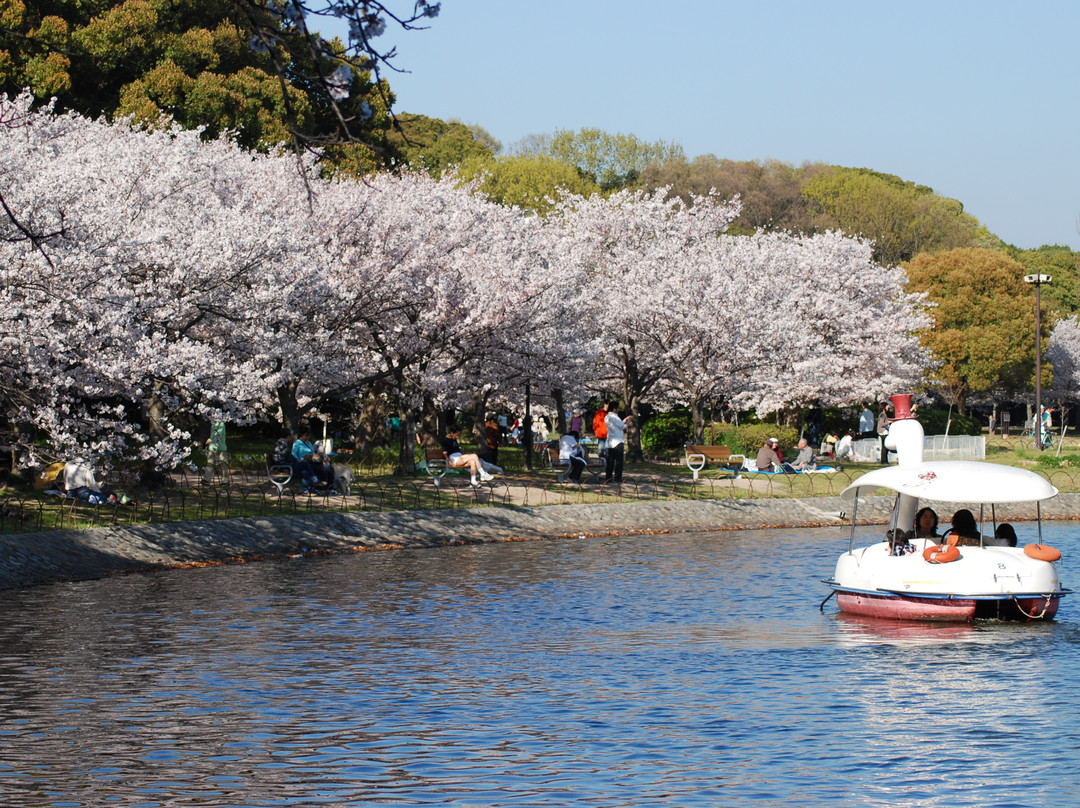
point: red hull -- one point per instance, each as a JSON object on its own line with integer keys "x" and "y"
{"x": 906, "y": 608}
{"x": 1033, "y": 608}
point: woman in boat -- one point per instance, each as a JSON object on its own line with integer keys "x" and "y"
{"x": 965, "y": 529}
{"x": 926, "y": 522}
{"x": 1004, "y": 536}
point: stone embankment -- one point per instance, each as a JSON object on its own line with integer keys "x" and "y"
{"x": 37, "y": 558}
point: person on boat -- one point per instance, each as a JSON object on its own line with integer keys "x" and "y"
{"x": 965, "y": 528}
{"x": 926, "y": 522}
{"x": 1004, "y": 536}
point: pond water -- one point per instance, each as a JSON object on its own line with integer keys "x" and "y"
{"x": 675, "y": 670}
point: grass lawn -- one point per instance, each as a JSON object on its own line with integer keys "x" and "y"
{"x": 376, "y": 487}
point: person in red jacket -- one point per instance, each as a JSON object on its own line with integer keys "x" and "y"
{"x": 599, "y": 428}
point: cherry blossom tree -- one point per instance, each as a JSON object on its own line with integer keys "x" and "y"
{"x": 153, "y": 280}
{"x": 850, "y": 330}
{"x": 452, "y": 281}
{"x": 768, "y": 320}
{"x": 628, "y": 248}
{"x": 125, "y": 256}
{"x": 1063, "y": 353}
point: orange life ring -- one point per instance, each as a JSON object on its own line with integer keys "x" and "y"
{"x": 1042, "y": 552}
{"x": 941, "y": 553}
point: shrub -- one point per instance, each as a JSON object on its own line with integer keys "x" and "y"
{"x": 748, "y": 438}
{"x": 934, "y": 421}
{"x": 1050, "y": 461}
{"x": 666, "y": 431}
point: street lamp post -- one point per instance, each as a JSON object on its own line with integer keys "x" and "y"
{"x": 1038, "y": 281}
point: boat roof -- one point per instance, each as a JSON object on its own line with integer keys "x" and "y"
{"x": 956, "y": 481}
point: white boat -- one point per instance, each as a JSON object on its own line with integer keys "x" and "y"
{"x": 946, "y": 578}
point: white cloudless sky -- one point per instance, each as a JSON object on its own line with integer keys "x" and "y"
{"x": 978, "y": 100}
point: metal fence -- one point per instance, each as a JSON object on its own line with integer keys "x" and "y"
{"x": 245, "y": 491}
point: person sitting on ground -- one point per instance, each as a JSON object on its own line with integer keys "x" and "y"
{"x": 804, "y": 460}
{"x": 965, "y": 528}
{"x": 80, "y": 483}
{"x": 1004, "y": 536}
{"x": 572, "y": 451}
{"x": 456, "y": 459}
{"x": 767, "y": 457}
{"x": 828, "y": 444}
{"x": 845, "y": 448}
{"x": 926, "y": 522}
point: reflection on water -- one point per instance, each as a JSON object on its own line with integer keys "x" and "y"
{"x": 673, "y": 670}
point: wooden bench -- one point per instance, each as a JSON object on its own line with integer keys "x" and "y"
{"x": 279, "y": 474}
{"x": 697, "y": 457}
{"x": 436, "y": 464}
{"x": 594, "y": 466}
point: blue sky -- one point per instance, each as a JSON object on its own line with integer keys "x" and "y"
{"x": 978, "y": 100}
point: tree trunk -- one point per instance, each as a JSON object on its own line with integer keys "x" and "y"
{"x": 560, "y": 411}
{"x": 369, "y": 425}
{"x": 155, "y": 412}
{"x": 631, "y": 396}
{"x": 406, "y": 452}
{"x": 697, "y": 412}
{"x": 431, "y": 426}
{"x": 150, "y": 475}
{"x": 290, "y": 409}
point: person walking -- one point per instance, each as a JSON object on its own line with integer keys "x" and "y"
{"x": 217, "y": 454}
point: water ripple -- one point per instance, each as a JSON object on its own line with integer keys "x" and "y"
{"x": 689, "y": 670}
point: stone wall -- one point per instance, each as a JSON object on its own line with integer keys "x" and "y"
{"x": 37, "y": 558}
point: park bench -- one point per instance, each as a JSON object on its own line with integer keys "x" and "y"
{"x": 436, "y": 464}
{"x": 697, "y": 457}
{"x": 594, "y": 466}
{"x": 279, "y": 474}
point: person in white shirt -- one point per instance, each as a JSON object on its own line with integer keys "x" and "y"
{"x": 844, "y": 449}
{"x": 866, "y": 422}
{"x": 572, "y": 451}
{"x": 616, "y": 443}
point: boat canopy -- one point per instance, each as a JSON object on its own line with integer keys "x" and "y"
{"x": 956, "y": 481}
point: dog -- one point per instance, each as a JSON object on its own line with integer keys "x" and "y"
{"x": 342, "y": 479}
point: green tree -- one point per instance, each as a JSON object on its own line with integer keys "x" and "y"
{"x": 528, "y": 182}
{"x": 613, "y": 161}
{"x": 192, "y": 60}
{"x": 1062, "y": 295}
{"x": 983, "y": 329}
{"x": 770, "y": 191}
{"x": 435, "y": 145}
{"x": 901, "y": 218}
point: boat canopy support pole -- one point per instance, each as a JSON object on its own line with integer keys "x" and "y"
{"x": 821, "y": 608}
{"x": 854, "y": 519}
